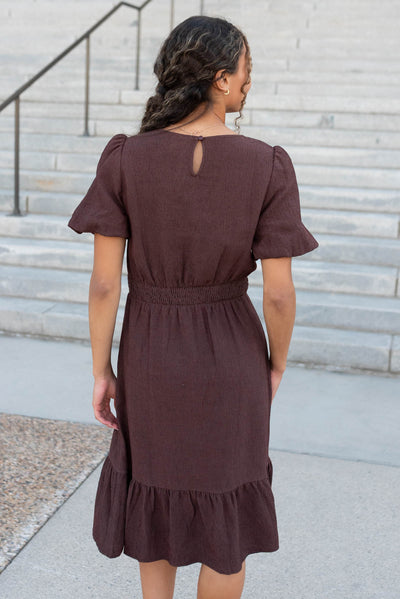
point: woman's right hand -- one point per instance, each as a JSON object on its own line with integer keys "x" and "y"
{"x": 104, "y": 389}
{"x": 276, "y": 377}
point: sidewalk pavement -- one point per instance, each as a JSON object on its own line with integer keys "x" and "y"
{"x": 335, "y": 448}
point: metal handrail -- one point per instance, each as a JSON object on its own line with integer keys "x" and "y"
{"x": 15, "y": 97}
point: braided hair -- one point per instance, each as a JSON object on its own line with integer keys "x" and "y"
{"x": 185, "y": 67}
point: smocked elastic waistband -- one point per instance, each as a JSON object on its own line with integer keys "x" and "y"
{"x": 188, "y": 294}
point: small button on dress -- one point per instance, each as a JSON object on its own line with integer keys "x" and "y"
{"x": 188, "y": 477}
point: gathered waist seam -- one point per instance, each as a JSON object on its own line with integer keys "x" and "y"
{"x": 188, "y": 294}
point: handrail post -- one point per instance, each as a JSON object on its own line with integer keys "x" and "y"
{"x": 172, "y": 15}
{"x": 86, "y": 130}
{"x": 201, "y": 7}
{"x": 139, "y": 13}
{"x": 16, "y": 211}
{"x": 15, "y": 97}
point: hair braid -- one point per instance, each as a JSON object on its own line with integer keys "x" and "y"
{"x": 186, "y": 65}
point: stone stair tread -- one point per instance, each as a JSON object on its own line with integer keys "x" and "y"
{"x": 352, "y": 222}
{"x": 309, "y": 155}
{"x": 341, "y": 311}
{"x": 354, "y": 200}
{"x": 322, "y": 89}
{"x": 350, "y": 198}
{"x": 48, "y": 306}
{"x": 254, "y": 278}
{"x": 346, "y": 248}
{"x": 344, "y": 300}
{"x": 349, "y": 349}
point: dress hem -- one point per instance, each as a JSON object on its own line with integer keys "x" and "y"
{"x": 149, "y": 523}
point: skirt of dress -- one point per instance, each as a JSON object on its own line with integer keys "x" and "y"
{"x": 188, "y": 476}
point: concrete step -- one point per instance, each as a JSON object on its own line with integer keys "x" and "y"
{"x": 352, "y": 223}
{"x": 349, "y": 157}
{"x": 317, "y": 63}
{"x": 319, "y": 198}
{"x": 345, "y": 349}
{"x": 360, "y": 144}
{"x": 54, "y": 85}
{"x": 363, "y": 279}
{"x": 310, "y": 345}
{"x": 56, "y": 284}
{"x": 308, "y": 47}
{"x": 67, "y": 110}
{"x": 342, "y": 176}
{"x": 345, "y": 248}
{"x": 319, "y": 119}
{"x": 77, "y": 182}
{"x": 306, "y": 103}
{"x": 41, "y": 226}
{"x": 71, "y": 142}
{"x": 121, "y": 72}
{"x": 332, "y": 90}
{"x": 296, "y": 67}
{"x": 302, "y": 136}
{"x": 350, "y": 198}
{"x": 47, "y": 180}
{"x": 47, "y": 284}
{"x": 341, "y": 311}
{"x": 43, "y": 318}
{"x": 47, "y": 253}
{"x": 73, "y": 92}
{"x": 40, "y": 202}
{"x": 378, "y": 232}
{"x": 268, "y": 99}
{"x": 78, "y": 255}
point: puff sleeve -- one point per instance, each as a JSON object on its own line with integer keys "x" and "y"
{"x": 280, "y": 231}
{"x": 102, "y": 210}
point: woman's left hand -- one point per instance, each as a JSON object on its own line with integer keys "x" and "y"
{"x": 105, "y": 388}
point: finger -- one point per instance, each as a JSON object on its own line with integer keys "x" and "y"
{"x": 107, "y": 419}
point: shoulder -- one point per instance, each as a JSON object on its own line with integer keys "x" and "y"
{"x": 113, "y": 148}
{"x": 145, "y": 138}
{"x": 261, "y": 147}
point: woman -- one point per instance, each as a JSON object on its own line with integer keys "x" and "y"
{"x": 188, "y": 476}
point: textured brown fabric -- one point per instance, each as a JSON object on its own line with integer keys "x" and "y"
{"x": 188, "y": 475}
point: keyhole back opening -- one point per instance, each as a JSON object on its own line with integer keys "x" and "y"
{"x": 198, "y": 156}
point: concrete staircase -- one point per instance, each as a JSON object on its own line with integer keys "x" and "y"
{"x": 326, "y": 86}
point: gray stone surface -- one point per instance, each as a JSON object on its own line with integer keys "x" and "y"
{"x": 322, "y": 88}
{"x": 348, "y": 349}
{"x": 350, "y": 198}
{"x": 351, "y": 223}
{"x": 346, "y": 311}
{"x": 343, "y": 311}
{"x": 336, "y": 457}
{"x": 344, "y": 248}
{"x": 334, "y": 414}
{"x": 395, "y": 361}
{"x": 337, "y": 526}
{"x": 364, "y": 279}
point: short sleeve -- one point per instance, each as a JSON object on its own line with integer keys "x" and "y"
{"x": 102, "y": 210}
{"x": 280, "y": 231}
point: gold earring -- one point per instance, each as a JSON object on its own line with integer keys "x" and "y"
{"x": 227, "y": 92}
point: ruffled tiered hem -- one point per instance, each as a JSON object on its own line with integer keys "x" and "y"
{"x": 149, "y": 523}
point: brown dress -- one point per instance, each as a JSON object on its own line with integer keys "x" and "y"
{"x": 188, "y": 476}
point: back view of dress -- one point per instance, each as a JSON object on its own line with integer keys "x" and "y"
{"x": 188, "y": 475}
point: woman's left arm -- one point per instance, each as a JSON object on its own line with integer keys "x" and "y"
{"x": 104, "y": 297}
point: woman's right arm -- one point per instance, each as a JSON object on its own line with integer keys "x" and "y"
{"x": 279, "y": 308}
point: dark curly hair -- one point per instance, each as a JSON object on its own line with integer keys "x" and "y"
{"x": 185, "y": 67}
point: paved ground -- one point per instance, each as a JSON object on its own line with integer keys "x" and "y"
{"x": 336, "y": 456}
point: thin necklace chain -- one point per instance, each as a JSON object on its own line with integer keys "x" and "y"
{"x": 198, "y": 132}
